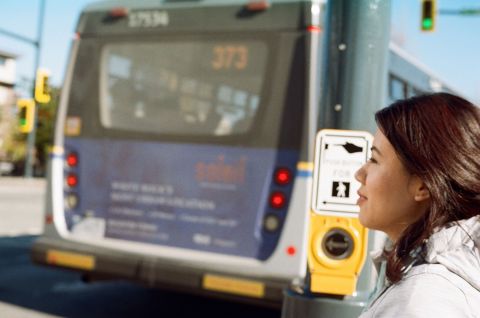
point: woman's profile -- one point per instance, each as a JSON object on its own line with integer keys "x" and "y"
{"x": 422, "y": 188}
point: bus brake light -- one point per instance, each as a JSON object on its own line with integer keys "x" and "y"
{"x": 72, "y": 159}
{"x": 72, "y": 180}
{"x": 283, "y": 176}
{"x": 278, "y": 200}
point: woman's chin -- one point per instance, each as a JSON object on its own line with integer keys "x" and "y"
{"x": 362, "y": 218}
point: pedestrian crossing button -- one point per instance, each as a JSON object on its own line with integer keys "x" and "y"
{"x": 337, "y": 244}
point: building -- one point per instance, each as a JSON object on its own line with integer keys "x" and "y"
{"x": 7, "y": 99}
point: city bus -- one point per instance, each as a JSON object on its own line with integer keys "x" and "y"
{"x": 184, "y": 140}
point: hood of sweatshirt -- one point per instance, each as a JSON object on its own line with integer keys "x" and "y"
{"x": 457, "y": 247}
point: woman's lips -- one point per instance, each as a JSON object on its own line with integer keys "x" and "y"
{"x": 361, "y": 198}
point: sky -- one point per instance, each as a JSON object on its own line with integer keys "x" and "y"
{"x": 451, "y": 52}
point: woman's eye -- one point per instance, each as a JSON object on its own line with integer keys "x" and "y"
{"x": 372, "y": 160}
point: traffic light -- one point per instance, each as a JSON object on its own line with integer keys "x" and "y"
{"x": 26, "y": 114}
{"x": 428, "y": 15}
{"x": 42, "y": 88}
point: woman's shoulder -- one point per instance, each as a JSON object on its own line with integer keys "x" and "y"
{"x": 426, "y": 290}
{"x": 422, "y": 275}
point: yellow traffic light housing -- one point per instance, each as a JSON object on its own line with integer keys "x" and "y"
{"x": 42, "y": 87}
{"x": 26, "y": 114}
{"x": 429, "y": 8}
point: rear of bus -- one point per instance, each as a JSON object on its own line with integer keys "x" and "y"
{"x": 180, "y": 156}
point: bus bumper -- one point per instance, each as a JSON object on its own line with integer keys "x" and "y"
{"x": 101, "y": 263}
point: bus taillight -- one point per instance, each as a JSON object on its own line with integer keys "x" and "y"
{"x": 72, "y": 159}
{"x": 48, "y": 218}
{"x": 72, "y": 180}
{"x": 258, "y": 5}
{"x": 118, "y": 12}
{"x": 314, "y": 29}
{"x": 278, "y": 200}
{"x": 283, "y": 176}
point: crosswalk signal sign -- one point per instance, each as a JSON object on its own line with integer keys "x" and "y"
{"x": 26, "y": 114}
{"x": 428, "y": 15}
{"x": 42, "y": 87}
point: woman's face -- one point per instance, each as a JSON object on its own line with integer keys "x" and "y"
{"x": 389, "y": 195}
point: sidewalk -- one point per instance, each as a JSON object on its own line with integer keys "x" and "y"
{"x": 21, "y": 206}
{"x": 12, "y": 311}
{"x": 21, "y": 182}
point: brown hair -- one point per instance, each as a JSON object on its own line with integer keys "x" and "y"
{"x": 437, "y": 138}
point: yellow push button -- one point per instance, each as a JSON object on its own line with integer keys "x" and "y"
{"x": 337, "y": 252}
{"x": 338, "y": 244}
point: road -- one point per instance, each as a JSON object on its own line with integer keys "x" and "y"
{"x": 31, "y": 291}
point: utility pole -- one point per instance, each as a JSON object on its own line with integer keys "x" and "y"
{"x": 31, "y": 136}
{"x": 37, "y": 44}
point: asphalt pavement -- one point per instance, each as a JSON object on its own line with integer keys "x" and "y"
{"x": 31, "y": 291}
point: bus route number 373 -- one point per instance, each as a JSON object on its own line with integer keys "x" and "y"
{"x": 229, "y": 57}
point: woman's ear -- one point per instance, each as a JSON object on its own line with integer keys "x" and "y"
{"x": 420, "y": 190}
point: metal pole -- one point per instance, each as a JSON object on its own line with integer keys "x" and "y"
{"x": 463, "y": 12}
{"x": 30, "y": 155}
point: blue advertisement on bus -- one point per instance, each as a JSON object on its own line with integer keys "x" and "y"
{"x": 202, "y": 197}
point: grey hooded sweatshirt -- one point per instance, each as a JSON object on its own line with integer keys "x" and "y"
{"x": 446, "y": 285}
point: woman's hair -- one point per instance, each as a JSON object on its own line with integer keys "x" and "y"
{"x": 437, "y": 138}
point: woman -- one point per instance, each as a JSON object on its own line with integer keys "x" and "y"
{"x": 422, "y": 188}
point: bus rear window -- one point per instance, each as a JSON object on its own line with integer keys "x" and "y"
{"x": 182, "y": 88}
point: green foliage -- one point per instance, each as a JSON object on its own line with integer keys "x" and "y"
{"x": 15, "y": 143}
{"x": 16, "y": 146}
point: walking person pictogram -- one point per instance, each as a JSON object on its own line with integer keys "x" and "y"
{"x": 341, "y": 189}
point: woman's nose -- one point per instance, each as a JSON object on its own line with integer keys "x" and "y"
{"x": 360, "y": 174}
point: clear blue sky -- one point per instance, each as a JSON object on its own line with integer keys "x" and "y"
{"x": 452, "y": 51}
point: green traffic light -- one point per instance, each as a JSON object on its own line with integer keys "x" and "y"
{"x": 427, "y": 24}
{"x": 23, "y": 122}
